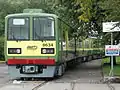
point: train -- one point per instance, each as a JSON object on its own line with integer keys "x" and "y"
{"x": 37, "y": 45}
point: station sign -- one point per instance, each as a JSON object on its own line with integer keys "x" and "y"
{"x": 111, "y": 27}
{"x": 111, "y": 50}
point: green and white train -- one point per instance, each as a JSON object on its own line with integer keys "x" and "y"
{"x": 34, "y": 45}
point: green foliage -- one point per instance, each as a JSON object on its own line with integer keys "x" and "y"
{"x": 86, "y": 6}
{"x": 1, "y": 48}
{"x": 112, "y": 9}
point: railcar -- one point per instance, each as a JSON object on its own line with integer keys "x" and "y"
{"x": 34, "y": 45}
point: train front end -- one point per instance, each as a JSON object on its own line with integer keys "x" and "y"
{"x": 30, "y": 45}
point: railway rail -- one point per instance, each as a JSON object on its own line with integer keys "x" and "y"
{"x": 40, "y": 85}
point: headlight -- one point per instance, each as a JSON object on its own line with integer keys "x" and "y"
{"x": 47, "y": 50}
{"x": 14, "y": 50}
{"x": 44, "y": 51}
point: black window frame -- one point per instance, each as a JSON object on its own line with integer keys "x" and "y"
{"x": 18, "y": 17}
{"x": 44, "y": 38}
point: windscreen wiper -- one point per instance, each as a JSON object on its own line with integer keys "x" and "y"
{"x": 14, "y": 38}
{"x": 37, "y": 35}
{"x": 42, "y": 38}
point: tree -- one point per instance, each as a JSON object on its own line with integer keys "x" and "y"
{"x": 112, "y": 14}
{"x": 91, "y": 15}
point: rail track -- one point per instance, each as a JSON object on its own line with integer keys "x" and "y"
{"x": 40, "y": 85}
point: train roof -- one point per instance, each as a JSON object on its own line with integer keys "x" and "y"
{"x": 31, "y": 14}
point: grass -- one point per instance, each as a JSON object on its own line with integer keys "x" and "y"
{"x": 106, "y": 70}
{"x": 107, "y": 67}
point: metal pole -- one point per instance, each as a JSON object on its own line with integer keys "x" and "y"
{"x": 75, "y": 46}
{"x": 112, "y": 56}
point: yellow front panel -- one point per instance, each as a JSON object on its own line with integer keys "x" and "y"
{"x": 28, "y": 51}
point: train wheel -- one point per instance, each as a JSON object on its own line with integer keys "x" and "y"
{"x": 61, "y": 70}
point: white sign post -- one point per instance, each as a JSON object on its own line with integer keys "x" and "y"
{"x": 111, "y": 27}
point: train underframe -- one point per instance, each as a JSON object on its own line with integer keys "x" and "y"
{"x": 36, "y": 71}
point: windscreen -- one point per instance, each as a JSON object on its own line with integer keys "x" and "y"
{"x": 18, "y": 28}
{"x": 43, "y": 28}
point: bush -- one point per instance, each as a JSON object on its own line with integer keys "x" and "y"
{"x": 1, "y": 48}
